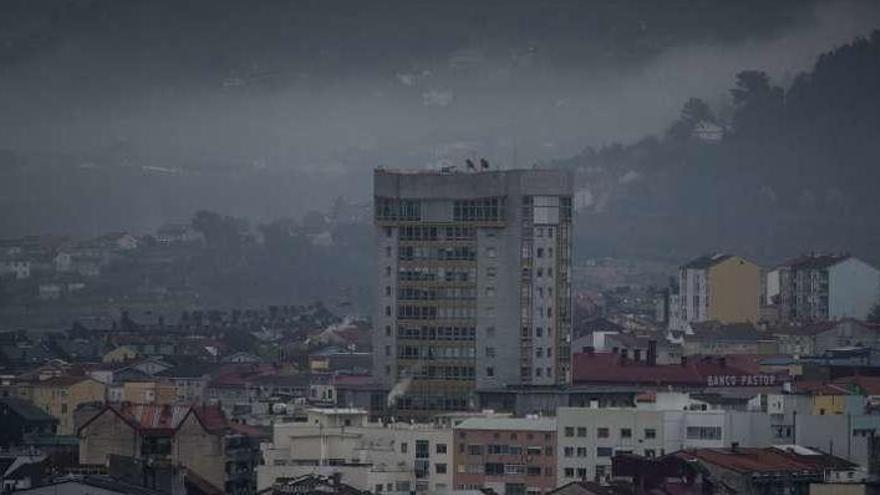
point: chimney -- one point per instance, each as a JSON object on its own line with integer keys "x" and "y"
{"x": 652, "y": 353}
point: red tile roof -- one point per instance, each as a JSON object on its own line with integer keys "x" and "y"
{"x": 771, "y": 459}
{"x": 609, "y": 368}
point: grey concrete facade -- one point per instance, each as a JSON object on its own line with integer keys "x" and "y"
{"x": 507, "y": 280}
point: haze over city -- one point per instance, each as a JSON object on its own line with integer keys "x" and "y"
{"x": 452, "y": 247}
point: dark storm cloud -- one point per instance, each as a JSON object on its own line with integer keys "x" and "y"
{"x": 328, "y": 88}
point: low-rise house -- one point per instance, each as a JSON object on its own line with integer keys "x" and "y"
{"x": 313, "y": 484}
{"x": 15, "y": 267}
{"x": 817, "y": 338}
{"x": 197, "y": 438}
{"x": 62, "y": 395}
{"x": 177, "y": 233}
{"x": 592, "y": 333}
{"x": 777, "y": 469}
{"x": 713, "y": 338}
{"x": 120, "y": 354}
{"x": 148, "y": 392}
{"x": 23, "y": 422}
{"x": 190, "y": 381}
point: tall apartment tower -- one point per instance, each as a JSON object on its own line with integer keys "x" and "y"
{"x": 473, "y": 283}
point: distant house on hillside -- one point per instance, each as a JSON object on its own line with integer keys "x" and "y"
{"x": 177, "y": 233}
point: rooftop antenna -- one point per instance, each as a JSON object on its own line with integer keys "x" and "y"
{"x": 470, "y": 164}
{"x": 484, "y": 164}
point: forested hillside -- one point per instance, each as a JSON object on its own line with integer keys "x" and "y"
{"x": 798, "y": 168}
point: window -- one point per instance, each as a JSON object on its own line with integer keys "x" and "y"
{"x": 475, "y": 450}
{"x": 490, "y": 291}
{"x": 604, "y": 451}
{"x": 490, "y": 371}
{"x": 602, "y": 433}
{"x": 490, "y": 252}
{"x": 600, "y": 472}
{"x": 388, "y": 232}
{"x": 490, "y": 272}
{"x": 494, "y": 469}
{"x": 582, "y": 473}
{"x": 704, "y": 433}
{"x": 568, "y": 451}
{"x": 533, "y": 471}
{"x": 569, "y": 472}
{"x": 440, "y": 468}
{"x": 388, "y": 290}
{"x": 540, "y": 252}
{"x": 539, "y": 332}
{"x": 388, "y": 330}
{"x": 650, "y": 454}
{"x": 387, "y": 310}
{"x": 387, "y": 251}
{"x": 582, "y": 431}
{"x": 569, "y": 431}
{"x": 440, "y": 448}
{"x": 650, "y": 433}
{"x": 403, "y": 447}
{"x": 490, "y": 352}
{"x": 581, "y": 452}
{"x": 539, "y": 352}
{"x": 539, "y": 372}
{"x": 626, "y": 433}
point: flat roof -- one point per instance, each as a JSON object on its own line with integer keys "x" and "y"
{"x": 511, "y": 424}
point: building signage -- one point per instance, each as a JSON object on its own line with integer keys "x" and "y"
{"x": 740, "y": 380}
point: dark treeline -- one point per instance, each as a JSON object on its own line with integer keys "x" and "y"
{"x": 797, "y": 169}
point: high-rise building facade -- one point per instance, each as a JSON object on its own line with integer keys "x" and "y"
{"x": 473, "y": 283}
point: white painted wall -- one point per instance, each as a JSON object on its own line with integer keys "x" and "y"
{"x": 854, "y": 288}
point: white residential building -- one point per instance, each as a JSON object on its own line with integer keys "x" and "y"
{"x": 381, "y": 458}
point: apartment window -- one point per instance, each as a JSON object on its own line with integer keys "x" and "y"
{"x": 539, "y": 352}
{"x": 387, "y": 310}
{"x": 604, "y": 451}
{"x": 703, "y": 432}
{"x": 568, "y": 451}
{"x": 490, "y": 352}
{"x": 490, "y": 272}
{"x": 539, "y": 372}
{"x": 539, "y": 272}
{"x": 569, "y": 431}
{"x": 626, "y": 433}
{"x": 650, "y": 454}
{"x": 650, "y": 433}
{"x": 403, "y": 448}
{"x": 388, "y": 232}
{"x": 387, "y": 251}
{"x": 533, "y": 471}
{"x": 600, "y": 472}
{"x": 582, "y": 473}
{"x": 490, "y": 371}
{"x": 494, "y": 469}
{"x": 602, "y": 433}
{"x": 440, "y": 448}
{"x": 549, "y": 352}
{"x": 582, "y": 431}
{"x": 440, "y": 468}
{"x": 581, "y": 451}
{"x": 380, "y": 487}
{"x": 540, "y": 252}
{"x": 388, "y": 330}
{"x": 569, "y": 472}
{"x": 539, "y": 332}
